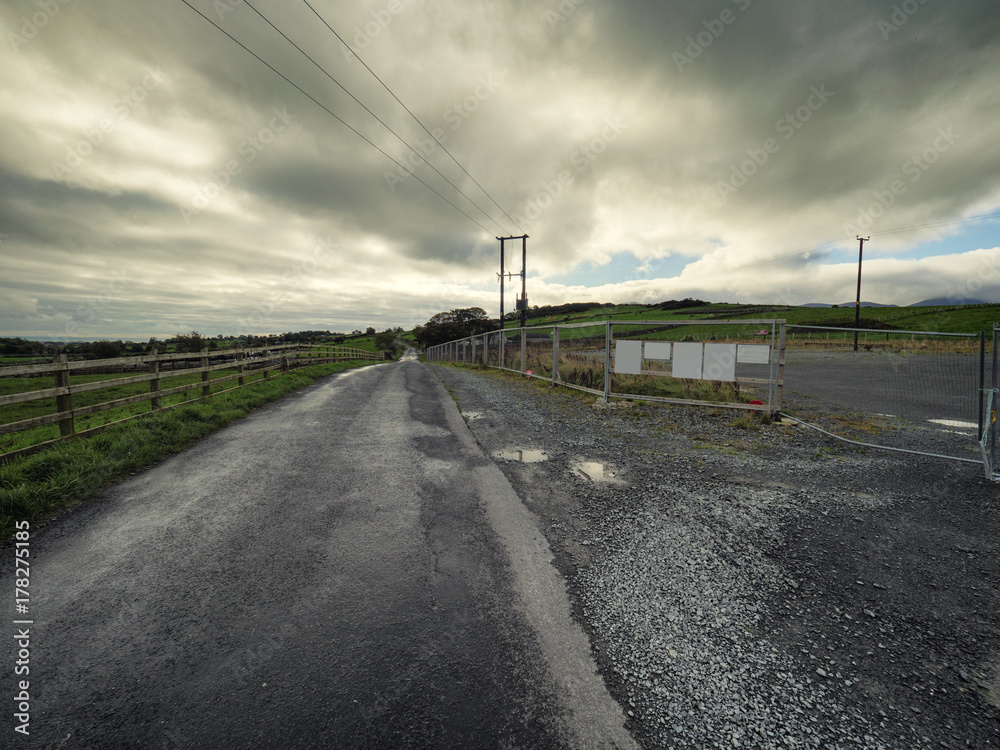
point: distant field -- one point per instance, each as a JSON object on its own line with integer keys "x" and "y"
{"x": 963, "y": 319}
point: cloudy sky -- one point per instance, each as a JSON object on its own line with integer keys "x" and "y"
{"x": 156, "y": 178}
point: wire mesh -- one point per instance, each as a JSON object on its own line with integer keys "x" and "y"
{"x": 719, "y": 363}
{"x": 894, "y": 378}
{"x": 582, "y": 356}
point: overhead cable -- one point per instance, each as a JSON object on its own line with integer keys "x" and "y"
{"x": 335, "y": 116}
{"x": 410, "y": 113}
{"x": 366, "y": 109}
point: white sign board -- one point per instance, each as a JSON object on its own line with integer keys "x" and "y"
{"x": 687, "y": 360}
{"x": 754, "y": 354}
{"x": 628, "y": 357}
{"x": 658, "y": 350}
{"x": 720, "y": 362}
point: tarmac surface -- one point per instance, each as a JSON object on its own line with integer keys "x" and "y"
{"x": 343, "y": 568}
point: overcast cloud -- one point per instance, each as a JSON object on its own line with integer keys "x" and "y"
{"x": 156, "y": 178}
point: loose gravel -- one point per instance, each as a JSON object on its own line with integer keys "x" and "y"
{"x": 760, "y": 586}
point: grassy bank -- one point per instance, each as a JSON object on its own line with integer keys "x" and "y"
{"x": 36, "y": 486}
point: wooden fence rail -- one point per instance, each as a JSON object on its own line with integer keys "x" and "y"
{"x": 158, "y": 366}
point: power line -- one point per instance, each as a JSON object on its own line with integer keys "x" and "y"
{"x": 366, "y": 109}
{"x": 335, "y": 116}
{"x": 966, "y": 220}
{"x": 416, "y": 119}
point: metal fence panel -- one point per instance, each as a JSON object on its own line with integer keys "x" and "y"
{"x": 917, "y": 379}
{"x": 720, "y": 363}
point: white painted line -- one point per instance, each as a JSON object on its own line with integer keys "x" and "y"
{"x": 955, "y": 423}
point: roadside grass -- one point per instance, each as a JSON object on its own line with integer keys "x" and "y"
{"x": 36, "y": 486}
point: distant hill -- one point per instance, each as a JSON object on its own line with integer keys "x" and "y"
{"x": 846, "y": 304}
{"x": 948, "y": 301}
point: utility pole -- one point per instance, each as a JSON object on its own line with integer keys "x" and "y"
{"x": 522, "y": 302}
{"x": 857, "y": 304}
{"x": 524, "y": 281}
{"x": 501, "y": 275}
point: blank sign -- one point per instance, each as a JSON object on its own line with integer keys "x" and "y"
{"x": 628, "y": 357}
{"x": 720, "y": 362}
{"x": 658, "y": 350}
{"x": 687, "y": 360}
{"x": 753, "y": 354}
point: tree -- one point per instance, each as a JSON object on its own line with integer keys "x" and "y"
{"x": 369, "y": 331}
{"x": 386, "y": 342}
{"x": 105, "y": 349}
{"x": 189, "y": 342}
{"x": 456, "y": 324}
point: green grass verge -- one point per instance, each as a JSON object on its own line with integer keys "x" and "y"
{"x": 35, "y": 487}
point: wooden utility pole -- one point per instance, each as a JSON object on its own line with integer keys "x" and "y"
{"x": 857, "y": 303}
{"x": 522, "y": 303}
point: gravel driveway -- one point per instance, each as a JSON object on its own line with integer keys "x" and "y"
{"x": 760, "y": 587}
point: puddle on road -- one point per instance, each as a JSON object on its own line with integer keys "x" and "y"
{"x": 595, "y": 471}
{"x": 529, "y": 456}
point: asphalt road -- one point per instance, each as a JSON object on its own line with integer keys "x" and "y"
{"x": 913, "y": 386}
{"x": 341, "y": 569}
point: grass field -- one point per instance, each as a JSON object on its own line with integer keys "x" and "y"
{"x": 954, "y": 319}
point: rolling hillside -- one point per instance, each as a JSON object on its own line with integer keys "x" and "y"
{"x": 942, "y": 318}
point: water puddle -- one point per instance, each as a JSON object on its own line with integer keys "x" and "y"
{"x": 529, "y": 456}
{"x": 595, "y": 471}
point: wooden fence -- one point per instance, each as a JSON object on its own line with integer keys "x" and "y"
{"x": 246, "y": 362}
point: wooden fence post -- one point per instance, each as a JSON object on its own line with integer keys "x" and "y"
{"x": 64, "y": 403}
{"x": 241, "y": 380}
{"x": 154, "y": 384}
{"x": 267, "y": 363}
{"x": 206, "y": 389}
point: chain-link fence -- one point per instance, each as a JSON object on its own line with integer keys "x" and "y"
{"x": 910, "y": 390}
{"x": 729, "y": 364}
{"x": 915, "y": 391}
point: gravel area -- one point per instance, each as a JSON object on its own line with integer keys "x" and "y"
{"x": 760, "y": 586}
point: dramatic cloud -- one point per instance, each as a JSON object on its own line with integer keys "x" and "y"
{"x": 157, "y": 178}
